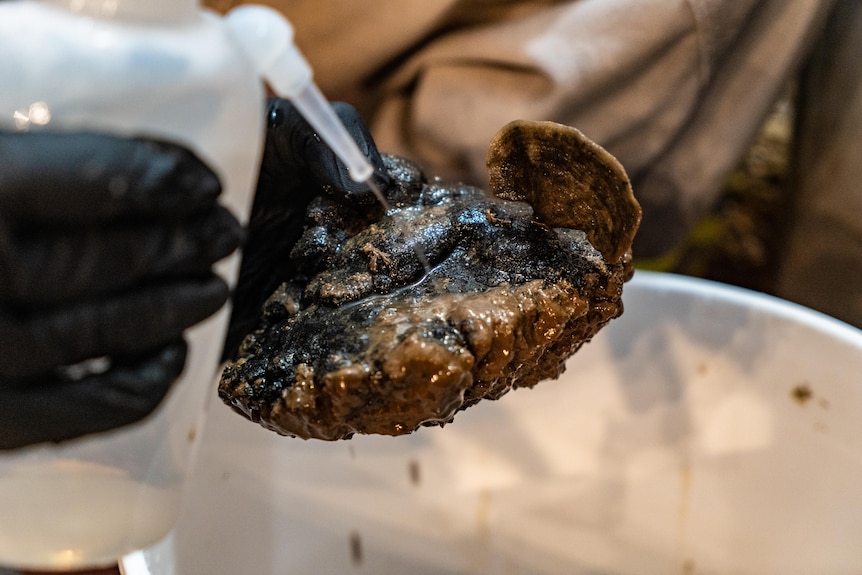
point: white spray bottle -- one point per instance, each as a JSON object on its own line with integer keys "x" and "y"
{"x": 169, "y": 70}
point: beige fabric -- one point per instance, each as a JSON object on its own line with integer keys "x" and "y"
{"x": 822, "y": 266}
{"x": 748, "y": 76}
{"x": 346, "y": 41}
{"x": 676, "y": 89}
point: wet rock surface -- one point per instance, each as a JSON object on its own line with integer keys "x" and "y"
{"x": 400, "y": 318}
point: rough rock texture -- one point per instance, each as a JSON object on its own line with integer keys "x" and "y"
{"x": 366, "y": 339}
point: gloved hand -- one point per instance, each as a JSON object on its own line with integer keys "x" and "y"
{"x": 106, "y": 246}
{"x": 297, "y": 165}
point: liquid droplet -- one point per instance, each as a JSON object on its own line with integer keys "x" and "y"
{"x": 378, "y": 193}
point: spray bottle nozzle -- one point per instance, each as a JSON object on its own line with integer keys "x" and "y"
{"x": 267, "y": 39}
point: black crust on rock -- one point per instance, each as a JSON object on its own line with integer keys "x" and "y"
{"x": 363, "y": 340}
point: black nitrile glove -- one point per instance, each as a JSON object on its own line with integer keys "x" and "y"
{"x": 297, "y": 165}
{"x": 106, "y": 247}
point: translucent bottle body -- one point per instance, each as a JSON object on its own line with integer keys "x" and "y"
{"x": 90, "y": 501}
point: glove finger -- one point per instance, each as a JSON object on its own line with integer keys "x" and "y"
{"x": 57, "y": 409}
{"x": 266, "y": 263}
{"x": 294, "y": 152}
{"x": 123, "y": 325}
{"x": 332, "y": 172}
{"x": 48, "y": 266}
{"x": 94, "y": 177}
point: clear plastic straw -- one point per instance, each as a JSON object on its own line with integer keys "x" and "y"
{"x": 267, "y": 39}
{"x": 317, "y": 111}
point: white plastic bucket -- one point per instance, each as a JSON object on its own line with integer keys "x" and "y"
{"x": 708, "y": 430}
